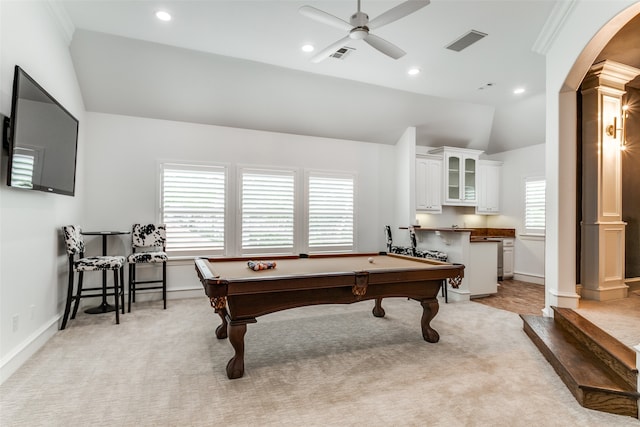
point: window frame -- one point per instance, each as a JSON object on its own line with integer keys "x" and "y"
{"x": 238, "y": 217}
{"x": 233, "y": 178}
{"x": 533, "y": 231}
{"x": 191, "y": 167}
{"x": 309, "y": 173}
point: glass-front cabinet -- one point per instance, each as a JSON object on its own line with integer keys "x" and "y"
{"x": 460, "y": 181}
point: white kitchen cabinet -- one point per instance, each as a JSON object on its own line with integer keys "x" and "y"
{"x": 459, "y": 175}
{"x": 507, "y": 258}
{"x": 429, "y": 184}
{"x": 488, "y": 173}
{"x": 481, "y": 270}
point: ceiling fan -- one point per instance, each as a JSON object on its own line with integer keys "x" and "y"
{"x": 359, "y": 27}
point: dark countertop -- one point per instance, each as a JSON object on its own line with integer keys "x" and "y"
{"x": 457, "y": 229}
{"x": 479, "y": 234}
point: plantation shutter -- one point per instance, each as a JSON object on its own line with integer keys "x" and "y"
{"x": 535, "y": 205}
{"x": 193, "y": 208}
{"x": 267, "y": 217}
{"x": 331, "y": 213}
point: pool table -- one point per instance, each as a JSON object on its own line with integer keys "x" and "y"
{"x": 239, "y": 294}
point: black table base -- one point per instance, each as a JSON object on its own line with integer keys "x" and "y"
{"x": 102, "y": 308}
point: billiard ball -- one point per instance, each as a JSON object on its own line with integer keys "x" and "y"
{"x": 370, "y": 260}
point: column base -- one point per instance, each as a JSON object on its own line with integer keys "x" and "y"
{"x": 559, "y": 299}
{"x": 605, "y": 294}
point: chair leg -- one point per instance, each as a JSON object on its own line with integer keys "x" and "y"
{"x": 131, "y": 269}
{"x": 164, "y": 284}
{"x": 444, "y": 291}
{"x": 133, "y": 283}
{"x": 78, "y": 294}
{"x": 67, "y": 306}
{"x": 116, "y": 287}
{"x": 121, "y": 291}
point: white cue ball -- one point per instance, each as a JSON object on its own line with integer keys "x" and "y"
{"x": 370, "y": 260}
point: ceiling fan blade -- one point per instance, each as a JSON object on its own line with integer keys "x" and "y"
{"x": 325, "y": 53}
{"x": 325, "y": 18}
{"x": 384, "y": 46}
{"x": 395, "y": 13}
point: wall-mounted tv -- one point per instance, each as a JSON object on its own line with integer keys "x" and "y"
{"x": 42, "y": 139}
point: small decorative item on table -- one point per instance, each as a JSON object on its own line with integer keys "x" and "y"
{"x": 261, "y": 265}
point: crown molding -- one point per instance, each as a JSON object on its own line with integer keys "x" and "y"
{"x": 65, "y": 24}
{"x": 554, "y": 23}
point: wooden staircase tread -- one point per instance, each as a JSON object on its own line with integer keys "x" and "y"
{"x": 614, "y": 347}
{"x": 585, "y": 370}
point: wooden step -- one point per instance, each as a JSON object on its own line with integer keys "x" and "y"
{"x": 617, "y": 356}
{"x": 592, "y": 383}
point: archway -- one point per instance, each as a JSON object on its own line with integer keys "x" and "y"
{"x": 576, "y": 46}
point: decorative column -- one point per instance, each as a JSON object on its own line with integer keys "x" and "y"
{"x": 603, "y": 231}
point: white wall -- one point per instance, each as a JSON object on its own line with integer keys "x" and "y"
{"x": 33, "y": 268}
{"x": 517, "y": 165}
{"x": 124, "y": 153}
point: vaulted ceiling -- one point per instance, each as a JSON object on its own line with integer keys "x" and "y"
{"x": 240, "y": 64}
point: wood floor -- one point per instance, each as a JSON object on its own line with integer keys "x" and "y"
{"x": 516, "y": 296}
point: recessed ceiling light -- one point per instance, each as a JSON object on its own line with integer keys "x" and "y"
{"x": 163, "y": 15}
{"x": 518, "y": 90}
{"x": 413, "y": 71}
{"x": 307, "y": 48}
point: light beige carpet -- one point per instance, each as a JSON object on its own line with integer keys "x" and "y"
{"x": 313, "y": 366}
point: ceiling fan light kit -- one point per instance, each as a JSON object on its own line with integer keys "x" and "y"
{"x": 359, "y": 27}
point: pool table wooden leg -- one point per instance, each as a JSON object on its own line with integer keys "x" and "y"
{"x": 235, "y": 367}
{"x": 378, "y": 311}
{"x": 430, "y": 308}
{"x": 221, "y": 330}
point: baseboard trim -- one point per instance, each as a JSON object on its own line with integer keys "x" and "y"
{"x": 19, "y": 355}
{"x": 531, "y": 278}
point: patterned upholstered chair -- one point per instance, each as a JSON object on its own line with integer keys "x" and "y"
{"x": 437, "y": 255}
{"x": 426, "y": 253}
{"x": 75, "y": 248}
{"x": 412, "y": 238}
{"x": 431, "y": 254}
{"x": 394, "y": 249}
{"x": 148, "y": 244}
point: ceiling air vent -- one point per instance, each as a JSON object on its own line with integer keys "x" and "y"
{"x": 466, "y": 40}
{"x": 342, "y": 53}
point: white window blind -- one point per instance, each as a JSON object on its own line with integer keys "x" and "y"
{"x": 22, "y": 170}
{"x": 267, "y": 211}
{"x": 193, "y": 208}
{"x": 331, "y": 213}
{"x": 535, "y": 205}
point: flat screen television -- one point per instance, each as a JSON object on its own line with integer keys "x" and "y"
{"x": 42, "y": 139}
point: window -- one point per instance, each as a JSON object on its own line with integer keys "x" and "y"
{"x": 267, "y": 211}
{"x": 534, "y": 210}
{"x": 330, "y": 213}
{"x": 193, "y": 208}
{"x": 244, "y": 210}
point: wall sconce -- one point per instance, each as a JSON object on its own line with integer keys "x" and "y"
{"x": 612, "y": 130}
